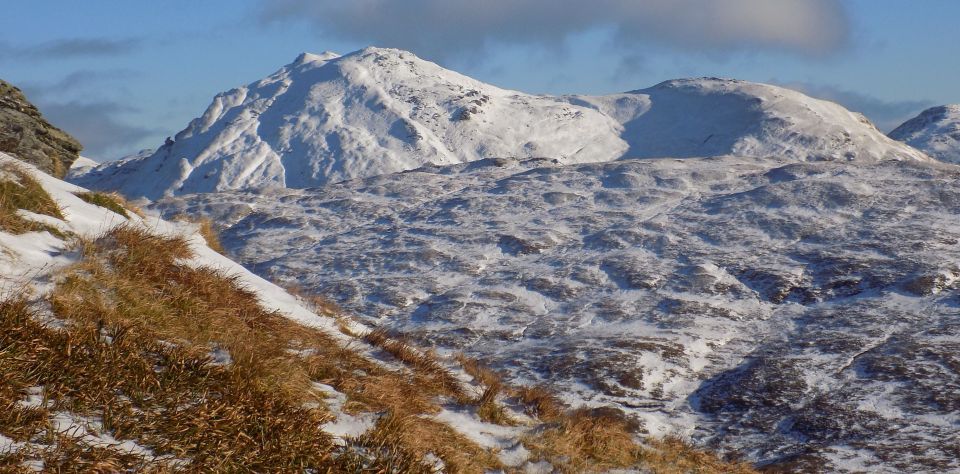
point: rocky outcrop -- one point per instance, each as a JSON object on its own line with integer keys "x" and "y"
{"x": 25, "y": 134}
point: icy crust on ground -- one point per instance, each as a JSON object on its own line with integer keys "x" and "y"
{"x": 804, "y": 315}
{"x": 935, "y": 131}
{"x": 326, "y": 118}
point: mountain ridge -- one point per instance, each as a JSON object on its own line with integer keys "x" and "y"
{"x": 935, "y": 131}
{"x": 328, "y": 118}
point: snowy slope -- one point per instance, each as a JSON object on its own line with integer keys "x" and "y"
{"x": 935, "y": 131}
{"x": 27, "y": 261}
{"x": 803, "y": 314}
{"x": 327, "y": 118}
{"x": 30, "y": 262}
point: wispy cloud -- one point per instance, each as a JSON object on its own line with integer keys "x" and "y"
{"x": 69, "y": 48}
{"x": 885, "y": 114}
{"x": 438, "y": 28}
{"x": 99, "y": 125}
{"x": 76, "y": 81}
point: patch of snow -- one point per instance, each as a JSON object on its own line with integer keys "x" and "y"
{"x": 34, "y": 398}
{"x": 220, "y": 356}
{"x": 345, "y": 425}
{"x": 505, "y": 439}
{"x": 90, "y": 432}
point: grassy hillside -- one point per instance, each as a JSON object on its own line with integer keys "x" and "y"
{"x": 141, "y": 358}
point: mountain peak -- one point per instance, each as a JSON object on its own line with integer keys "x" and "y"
{"x": 380, "y": 110}
{"x": 305, "y": 58}
{"x": 936, "y": 131}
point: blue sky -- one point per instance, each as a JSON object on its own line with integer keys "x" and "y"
{"x": 122, "y": 75}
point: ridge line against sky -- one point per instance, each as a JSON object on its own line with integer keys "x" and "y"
{"x": 123, "y": 75}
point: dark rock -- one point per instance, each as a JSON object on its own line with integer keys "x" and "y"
{"x": 25, "y": 134}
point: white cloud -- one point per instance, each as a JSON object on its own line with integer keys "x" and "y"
{"x": 442, "y": 27}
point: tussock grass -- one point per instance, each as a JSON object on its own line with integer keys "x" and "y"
{"x": 111, "y": 201}
{"x": 135, "y": 355}
{"x": 18, "y": 190}
{"x": 424, "y": 436}
{"x": 421, "y": 361}
{"x": 168, "y": 398}
{"x": 488, "y": 409}
{"x": 210, "y": 234}
{"x": 587, "y": 441}
{"x": 675, "y": 456}
{"x": 539, "y": 402}
{"x": 206, "y": 229}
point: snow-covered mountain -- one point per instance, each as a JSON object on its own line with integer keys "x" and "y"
{"x": 328, "y": 118}
{"x": 935, "y": 131}
{"x": 801, "y": 314}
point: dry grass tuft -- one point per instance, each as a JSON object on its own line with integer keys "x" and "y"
{"x": 206, "y": 229}
{"x": 111, "y": 201}
{"x": 210, "y": 234}
{"x": 423, "y": 362}
{"x": 422, "y": 437}
{"x": 18, "y": 190}
{"x": 674, "y": 456}
{"x": 488, "y": 409}
{"x": 587, "y": 441}
{"x": 539, "y": 402}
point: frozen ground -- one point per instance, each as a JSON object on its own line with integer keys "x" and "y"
{"x": 802, "y": 314}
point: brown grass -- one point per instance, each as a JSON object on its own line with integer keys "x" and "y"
{"x": 18, "y": 190}
{"x": 111, "y": 201}
{"x": 674, "y": 456}
{"x": 130, "y": 287}
{"x": 210, "y": 234}
{"x": 488, "y": 408}
{"x": 166, "y": 397}
{"x": 421, "y": 361}
{"x": 206, "y": 229}
{"x": 135, "y": 354}
{"x": 539, "y": 401}
{"x": 586, "y": 441}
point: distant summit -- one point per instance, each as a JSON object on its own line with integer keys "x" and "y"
{"x": 936, "y": 131}
{"x": 326, "y": 118}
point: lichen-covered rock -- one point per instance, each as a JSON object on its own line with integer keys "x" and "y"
{"x": 25, "y": 134}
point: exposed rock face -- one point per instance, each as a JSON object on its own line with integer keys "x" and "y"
{"x": 25, "y": 134}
